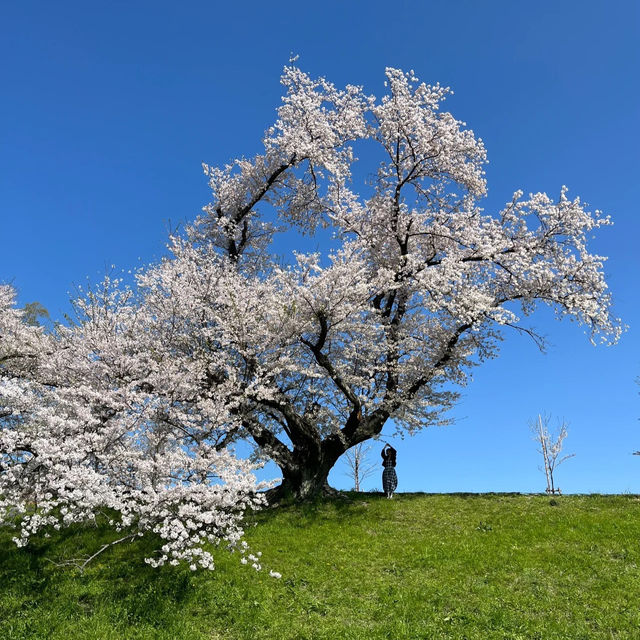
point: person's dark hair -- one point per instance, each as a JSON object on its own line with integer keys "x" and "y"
{"x": 389, "y": 453}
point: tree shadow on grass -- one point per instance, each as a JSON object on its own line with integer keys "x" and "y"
{"x": 307, "y": 512}
{"x": 118, "y": 584}
{"x": 352, "y": 503}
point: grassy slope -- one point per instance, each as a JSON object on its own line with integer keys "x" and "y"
{"x": 419, "y": 566}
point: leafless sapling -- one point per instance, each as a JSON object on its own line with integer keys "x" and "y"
{"x": 359, "y": 468}
{"x": 550, "y": 448}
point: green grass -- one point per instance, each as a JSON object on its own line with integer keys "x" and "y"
{"x": 458, "y": 566}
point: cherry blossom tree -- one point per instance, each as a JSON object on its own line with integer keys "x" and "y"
{"x": 417, "y": 285}
{"x": 311, "y": 354}
{"x": 92, "y": 425}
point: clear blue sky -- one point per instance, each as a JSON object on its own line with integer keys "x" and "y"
{"x": 108, "y": 109}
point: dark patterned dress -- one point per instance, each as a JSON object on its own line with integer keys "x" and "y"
{"x": 389, "y": 477}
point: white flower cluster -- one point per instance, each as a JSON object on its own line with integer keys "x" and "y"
{"x": 101, "y": 418}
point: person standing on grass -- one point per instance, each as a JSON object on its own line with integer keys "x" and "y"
{"x": 389, "y": 477}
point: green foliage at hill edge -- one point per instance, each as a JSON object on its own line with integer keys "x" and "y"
{"x": 458, "y": 566}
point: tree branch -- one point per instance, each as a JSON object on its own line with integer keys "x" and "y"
{"x": 326, "y": 364}
{"x": 81, "y": 564}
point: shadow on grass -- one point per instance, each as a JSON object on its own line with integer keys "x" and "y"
{"x": 118, "y": 585}
{"x": 349, "y": 503}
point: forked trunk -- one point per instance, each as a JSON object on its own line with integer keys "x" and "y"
{"x": 307, "y": 476}
{"x": 302, "y": 482}
{"x": 305, "y": 470}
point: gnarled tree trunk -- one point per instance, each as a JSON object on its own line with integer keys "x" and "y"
{"x": 305, "y": 469}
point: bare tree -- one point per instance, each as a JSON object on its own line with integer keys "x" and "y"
{"x": 550, "y": 448}
{"x": 359, "y": 467}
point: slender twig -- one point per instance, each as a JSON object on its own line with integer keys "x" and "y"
{"x": 81, "y": 563}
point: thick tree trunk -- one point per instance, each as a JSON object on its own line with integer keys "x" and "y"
{"x": 305, "y": 480}
{"x": 305, "y": 477}
{"x": 305, "y": 469}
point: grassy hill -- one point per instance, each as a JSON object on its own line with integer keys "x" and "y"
{"x": 463, "y": 566}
